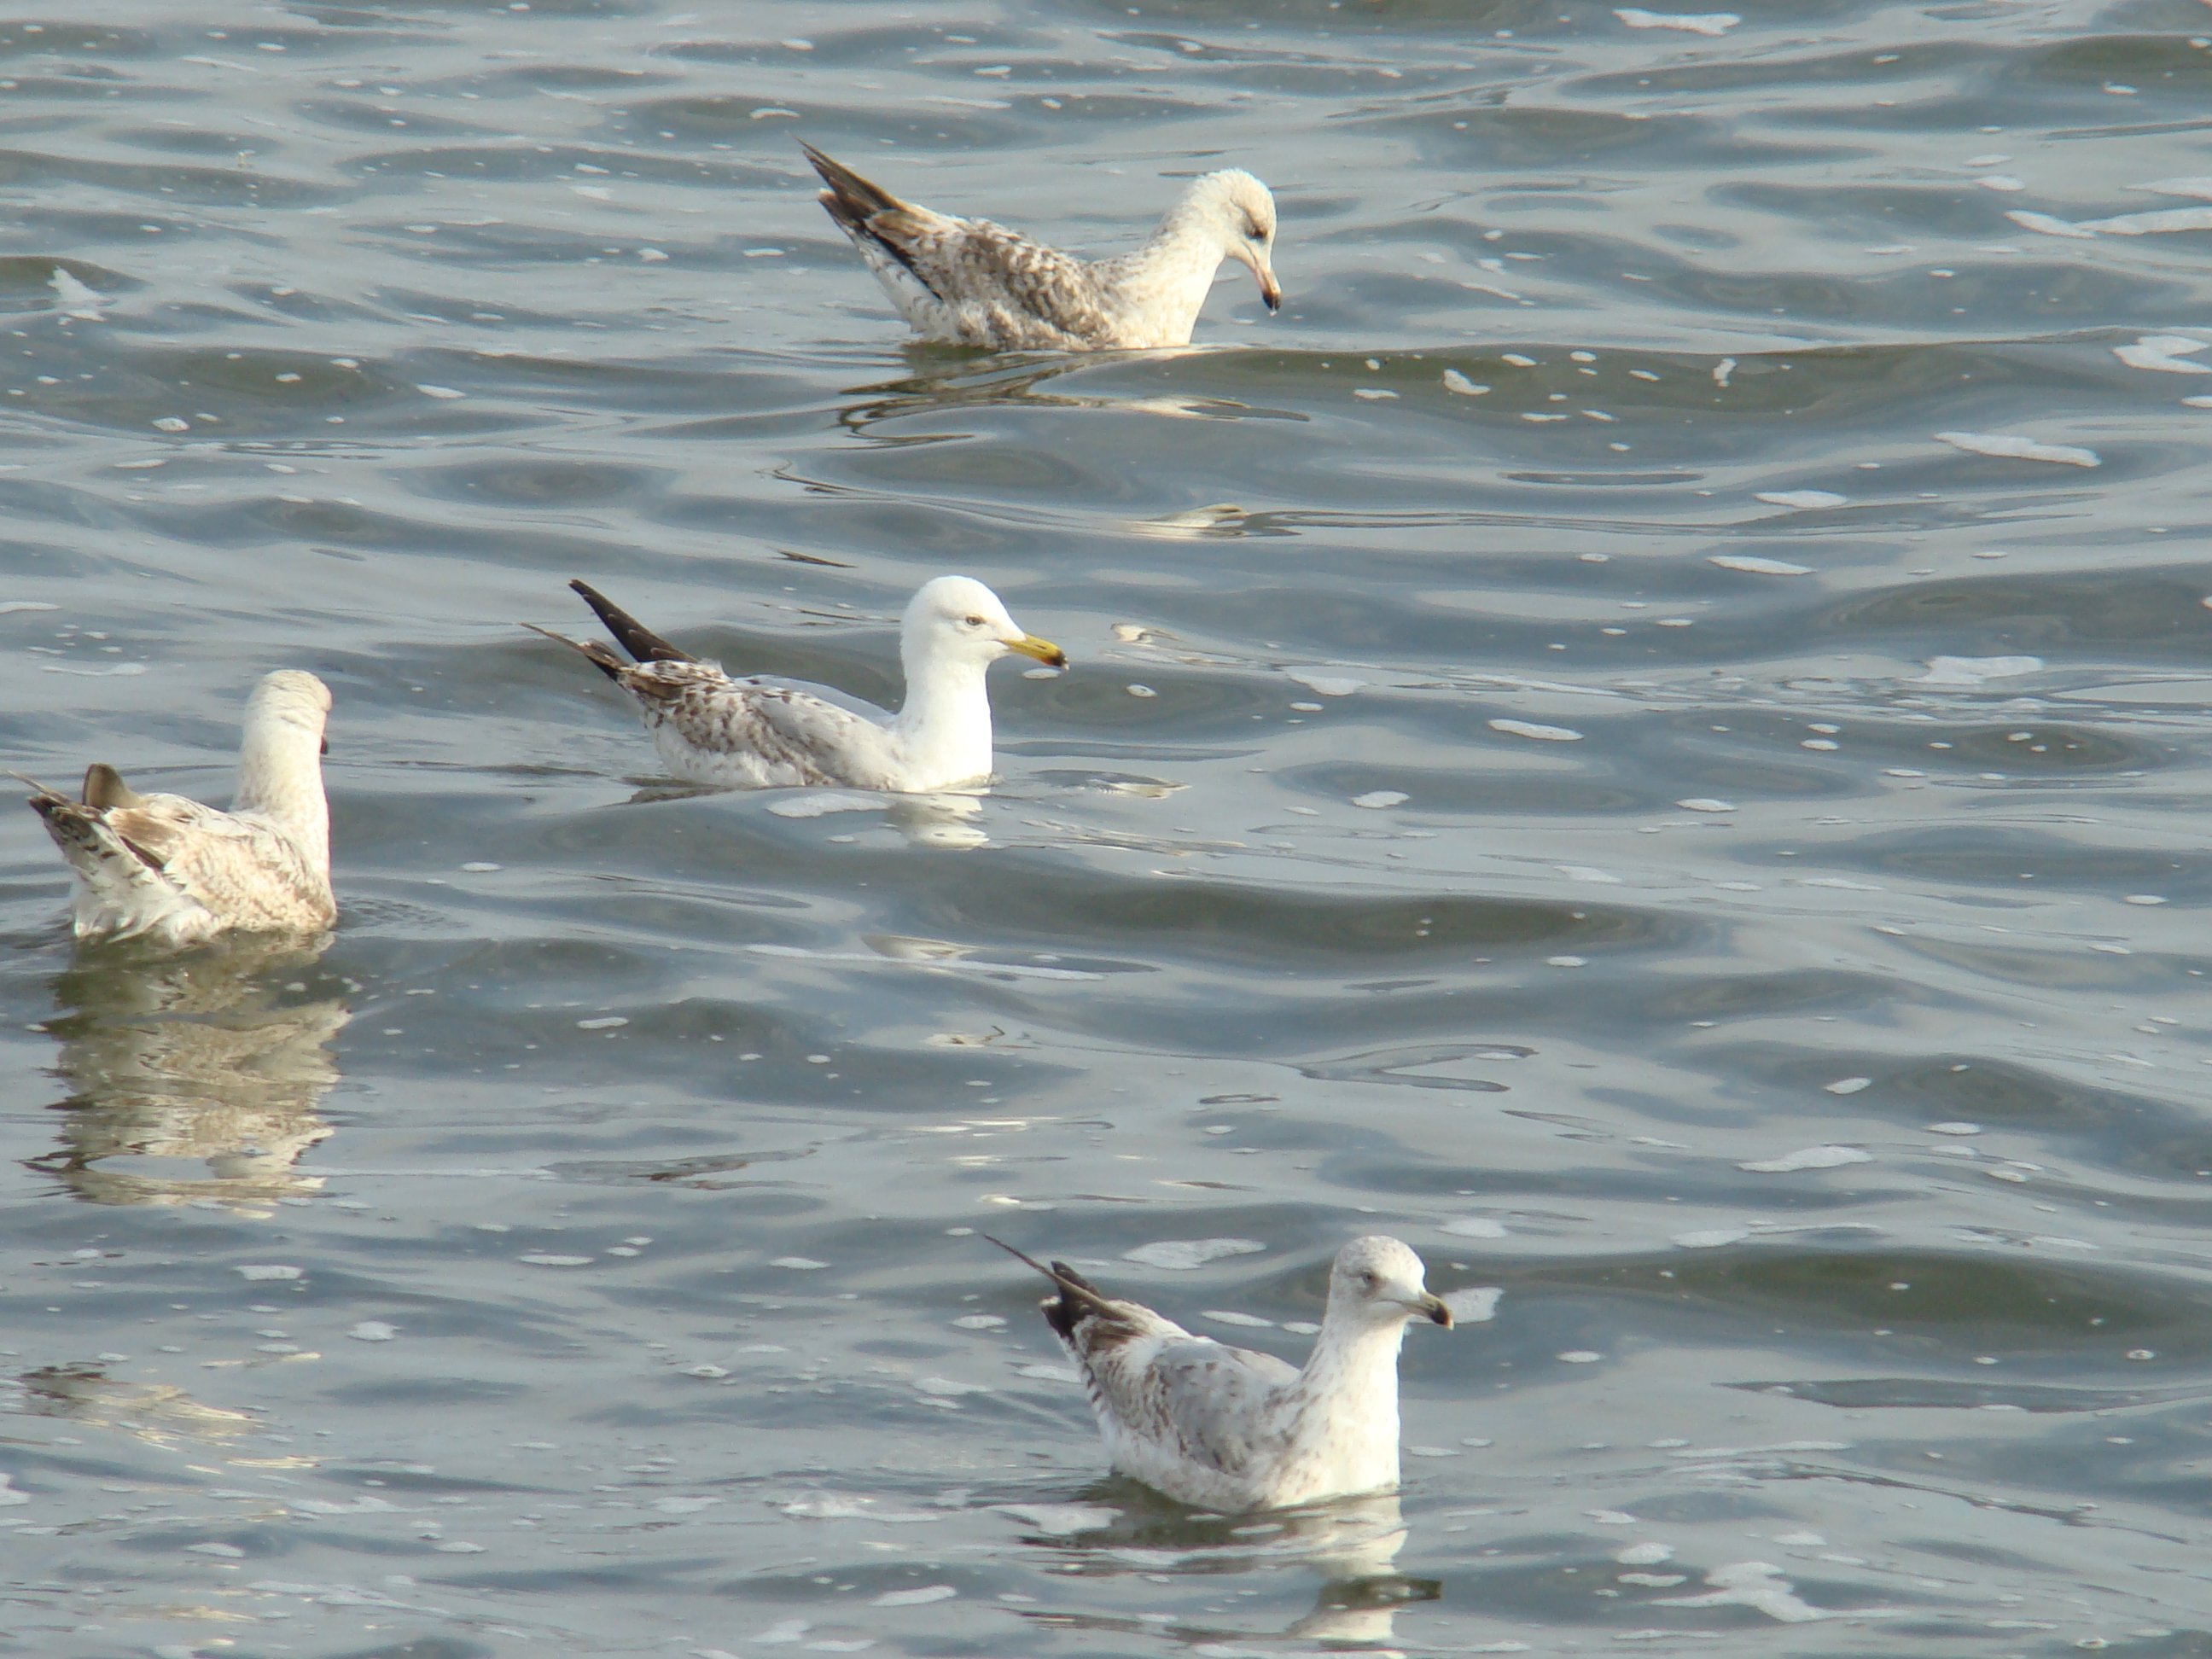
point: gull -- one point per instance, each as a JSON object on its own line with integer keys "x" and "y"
{"x": 167, "y": 868}
{"x": 1227, "y": 1429}
{"x": 968, "y": 282}
{"x": 751, "y": 734}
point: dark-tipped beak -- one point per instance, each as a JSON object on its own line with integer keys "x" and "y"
{"x": 1438, "y": 1311}
{"x": 326, "y": 746}
{"x": 1271, "y": 291}
{"x": 1043, "y": 650}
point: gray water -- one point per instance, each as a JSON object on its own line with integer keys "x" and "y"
{"x": 1762, "y": 954}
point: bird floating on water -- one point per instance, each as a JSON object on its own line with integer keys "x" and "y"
{"x": 167, "y": 868}
{"x": 749, "y": 733}
{"x": 1228, "y": 1429}
{"x": 970, "y": 281}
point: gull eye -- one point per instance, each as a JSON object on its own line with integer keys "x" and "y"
{"x": 975, "y": 621}
{"x": 1371, "y": 1281}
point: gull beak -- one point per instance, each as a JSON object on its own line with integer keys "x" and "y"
{"x": 1043, "y": 650}
{"x": 1270, "y": 290}
{"x": 326, "y": 748}
{"x": 1435, "y": 1309}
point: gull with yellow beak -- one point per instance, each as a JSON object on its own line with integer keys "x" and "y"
{"x": 751, "y": 734}
{"x": 1230, "y": 1429}
{"x": 970, "y": 281}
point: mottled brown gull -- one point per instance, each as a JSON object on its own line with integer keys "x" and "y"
{"x": 1228, "y": 1429}
{"x": 751, "y": 734}
{"x": 167, "y": 868}
{"x": 970, "y": 281}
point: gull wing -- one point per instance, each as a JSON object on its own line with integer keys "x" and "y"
{"x": 1185, "y": 1397}
{"x": 148, "y": 861}
{"x": 1214, "y": 1404}
{"x": 238, "y": 865}
{"x": 963, "y": 281}
{"x": 712, "y": 727}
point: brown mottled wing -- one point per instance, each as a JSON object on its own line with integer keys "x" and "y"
{"x": 1153, "y": 1380}
{"x": 975, "y": 264}
{"x": 237, "y": 865}
{"x": 724, "y": 730}
{"x": 963, "y": 281}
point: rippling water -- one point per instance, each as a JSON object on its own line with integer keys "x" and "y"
{"x": 1647, "y": 735}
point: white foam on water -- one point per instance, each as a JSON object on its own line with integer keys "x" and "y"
{"x": 1756, "y": 1585}
{"x": 2006, "y": 446}
{"x": 1704, "y": 22}
{"x": 1540, "y": 733}
{"x": 2162, "y": 222}
{"x": 1848, "y": 1085}
{"x": 1455, "y": 381}
{"x": 80, "y": 301}
{"x": 1473, "y": 1226}
{"x": 822, "y": 802}
{"x": 1803, "y": 498}
{"x": 1974, "y": 670}
{"x": 1183, "y": 1254}
{"x": 271, "y": 1270}
{"x": 1059, "y": 1520}
{"x": 2164, "y": 354}
{"x": 2201, "y": 187}
{"x": 2043, "y": 225}
{"x": 1476, "y": 1305}
{"x": 1753, "y": 565}
{"x": 1809, "y": 1157}
{"x": 1328, "y": 684}
{"x": 915, "y": 1598}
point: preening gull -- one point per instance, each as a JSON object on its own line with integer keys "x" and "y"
{"x": 167, "y": 868}
{"x": 760, "y": 734}
{"x": 1228, "y": 1429}
{"x": 970, "y": 281}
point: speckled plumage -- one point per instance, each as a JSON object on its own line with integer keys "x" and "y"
{"x": 970, "y": 282}
{"x": 1231, "y": 1429}
{"x": 727, "y": 733}
{"x": 178, "y": 872}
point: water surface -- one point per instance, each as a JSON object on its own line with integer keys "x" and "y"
{"x": 1563, "y": 763}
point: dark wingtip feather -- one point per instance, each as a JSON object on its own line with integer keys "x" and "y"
{"x": 592, "y": 651}
{"x": 633, "y": 635}
{"x": 1077, "y": 1297}
{"x": 103, "y": 788}
{"x": 860, "y": 199}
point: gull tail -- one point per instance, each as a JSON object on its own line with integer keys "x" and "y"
{"x": 120, "y": 888}
{"x": 104, "y": 788}
{"x": 633, "y": 635}
{"x": 851, "y": 199}
{"x": 597, "y": 654}
{"x": 1079, "y": 1298}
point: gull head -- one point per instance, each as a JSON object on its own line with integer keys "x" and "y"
{"x": 1244, "y": 212}
{"x": 955, "y": 619}
{"x": 290, "y": 697}
{"x": 1378, "y": 1281}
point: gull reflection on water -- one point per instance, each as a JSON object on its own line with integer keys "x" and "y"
{"x": 1351, "y": 1545}
{"x": 193, "y": 1079}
